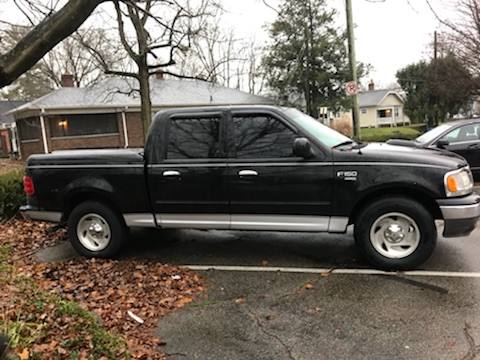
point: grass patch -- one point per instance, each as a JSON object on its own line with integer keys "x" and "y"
{"x": 384, "y": 134}
{"x": 47, "y": 326}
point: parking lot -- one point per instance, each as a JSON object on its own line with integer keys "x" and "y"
{"x": 266, "y": 314}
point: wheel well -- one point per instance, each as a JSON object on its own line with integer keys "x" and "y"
{"x": 84, "y": 196}
{"x": 428, "y": 202}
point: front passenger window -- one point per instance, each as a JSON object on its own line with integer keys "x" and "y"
{"x": 464, "y": 134}
{"x": 262, "y": 136}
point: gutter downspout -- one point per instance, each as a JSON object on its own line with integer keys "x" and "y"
{"x": 125, "y": 130}
{"x": 44, "y": 133}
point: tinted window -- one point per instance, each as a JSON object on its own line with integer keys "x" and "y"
{"x": 196, "y": 138}
{"x": 464, "y": 133}
{"x": 84, "y": 124}
{"x": 262, "y": 136}
{"x": 29, "y": 129}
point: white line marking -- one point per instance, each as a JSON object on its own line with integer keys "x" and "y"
{"x": 293, "y": 270}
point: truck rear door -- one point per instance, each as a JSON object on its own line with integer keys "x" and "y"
{"x": 187, "y": 183}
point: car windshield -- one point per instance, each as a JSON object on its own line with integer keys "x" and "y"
{"x": 324, "y": 134}
{"x": 433, "y": 134}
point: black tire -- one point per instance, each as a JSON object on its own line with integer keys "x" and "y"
{"x": 116, "y": 228}
{"x": 415, "y": 211}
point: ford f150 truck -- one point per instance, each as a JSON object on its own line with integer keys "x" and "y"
{"x": 256, "y": 168}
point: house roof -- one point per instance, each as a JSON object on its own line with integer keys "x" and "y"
{"x": 375, "y": 97}
{"x": 118, "y": 93}
{"x": 6, "y": 106}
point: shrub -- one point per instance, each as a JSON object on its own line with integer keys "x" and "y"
{"x": 384, "y": 134}
{"x": 343, "y": 126}
{"x": 11, "y": 193}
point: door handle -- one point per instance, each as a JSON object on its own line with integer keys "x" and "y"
{"x": 171, "y": 173}
{"x": 247, "y": 173}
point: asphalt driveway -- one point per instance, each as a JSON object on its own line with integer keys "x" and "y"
{"x": 272, "y": 315}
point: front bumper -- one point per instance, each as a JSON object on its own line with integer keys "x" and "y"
{"x": 460, "y": 214}
{"x": 34, "y": 213}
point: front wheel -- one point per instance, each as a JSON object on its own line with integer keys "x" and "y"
{"x": 95, "y": 230}
{"x": 396, "y": 233}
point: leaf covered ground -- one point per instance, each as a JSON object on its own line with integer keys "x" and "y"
{"x": 83, "y": 309}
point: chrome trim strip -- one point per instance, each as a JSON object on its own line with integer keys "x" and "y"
{"x": 194, "y": 221}
{"x": 240, "y": 222}
{"x": 280, "y": 223}
{"x": 338, "y": 224}
{"x": 460, "y": 212}
{"x": 140, "y": 220}
{"x": 49, "y": 216}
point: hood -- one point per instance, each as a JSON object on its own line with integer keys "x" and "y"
{"x": 88, "y": 157}
{"x": 382, "y": 152}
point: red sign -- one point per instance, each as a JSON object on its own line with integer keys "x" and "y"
{"x": 351, "y": 88}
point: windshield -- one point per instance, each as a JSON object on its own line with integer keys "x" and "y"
{"x": 324, "y": 134}
{"x": 433, "y": 134}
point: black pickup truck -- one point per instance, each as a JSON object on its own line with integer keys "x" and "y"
{"x": 256, "y": 168}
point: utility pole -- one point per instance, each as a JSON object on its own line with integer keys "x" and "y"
{"x": 435, "y": 45}
{"x": 353, "y": 69}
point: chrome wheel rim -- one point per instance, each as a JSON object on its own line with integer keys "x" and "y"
{"x": 93, "y": 232}
{"x": 395, "y": 235}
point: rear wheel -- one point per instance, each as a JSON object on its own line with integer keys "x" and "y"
{"x": 396, "y": 233}
{"x": 95, "y": 230}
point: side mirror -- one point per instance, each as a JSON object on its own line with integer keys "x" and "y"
{"x": 442, "y": 144}
{"x": 302, "y": 148}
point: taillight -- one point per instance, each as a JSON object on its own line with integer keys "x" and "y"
{"x": 28, "y": 186}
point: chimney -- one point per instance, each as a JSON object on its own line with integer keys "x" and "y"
{"x": 371, "y": 86}
{"x": 159, "y": 75}
{"x": 67, "y": 80}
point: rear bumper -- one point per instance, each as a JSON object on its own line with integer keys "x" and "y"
{"x": 33, "y": 213}
{"x": 460, "y": 215}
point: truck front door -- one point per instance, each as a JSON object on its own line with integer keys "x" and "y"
{"x": 270, "y": 188}
{"x": 187, "y": 183}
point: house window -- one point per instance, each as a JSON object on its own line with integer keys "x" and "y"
{"x": 364, "y": 111}
{"x": 397, "y": 112}
{"x": 29, "y": 129}
{"x": 83, "y": 124}
{"x": 384, "y": 113}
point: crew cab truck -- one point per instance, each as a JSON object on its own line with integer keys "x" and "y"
{"x": 256, "y": 168}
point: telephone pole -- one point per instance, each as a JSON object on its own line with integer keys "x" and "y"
{"x": 353, "y": 69}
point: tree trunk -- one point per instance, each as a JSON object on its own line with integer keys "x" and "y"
{"x": 146, "y": 103}
{"x": 43, "y": 38}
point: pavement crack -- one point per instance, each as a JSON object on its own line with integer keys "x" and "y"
{"x": 270, "y": 334}
{"x": 473, "y": 349}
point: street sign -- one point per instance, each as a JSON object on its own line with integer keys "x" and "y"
{"x": 351, "y": 88}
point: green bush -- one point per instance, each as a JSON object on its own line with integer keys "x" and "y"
{"x": 11, "y": 193}
{"x": 384, "y": 134}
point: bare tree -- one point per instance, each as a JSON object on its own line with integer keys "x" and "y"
{"x": 161, "y": 28}
{"x": 54, "y": 28}
{"x": 219, "y": 56}
{"x": 69, "y": 57}
{"x": 462, "y": 37}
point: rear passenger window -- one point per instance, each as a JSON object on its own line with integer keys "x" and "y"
{"x": 195, "y": 138}
{"x": 262, "y": 136}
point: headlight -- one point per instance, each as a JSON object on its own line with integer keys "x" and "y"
{"x": 459, "y": 182}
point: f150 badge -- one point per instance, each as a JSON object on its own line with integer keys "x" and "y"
{"x": 348, "y": 175}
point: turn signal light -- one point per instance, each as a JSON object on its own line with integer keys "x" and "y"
{"x": 452, "y": 184}
{"x": 28, "y": 186}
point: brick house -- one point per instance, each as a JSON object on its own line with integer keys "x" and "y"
{"x": 8, "y": 140}
{"x": 107, "y": 115}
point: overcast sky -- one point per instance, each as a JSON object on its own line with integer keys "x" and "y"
{"x": 390, "y": 34}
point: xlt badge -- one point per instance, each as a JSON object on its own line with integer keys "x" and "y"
{"x": 348, "y": 175}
